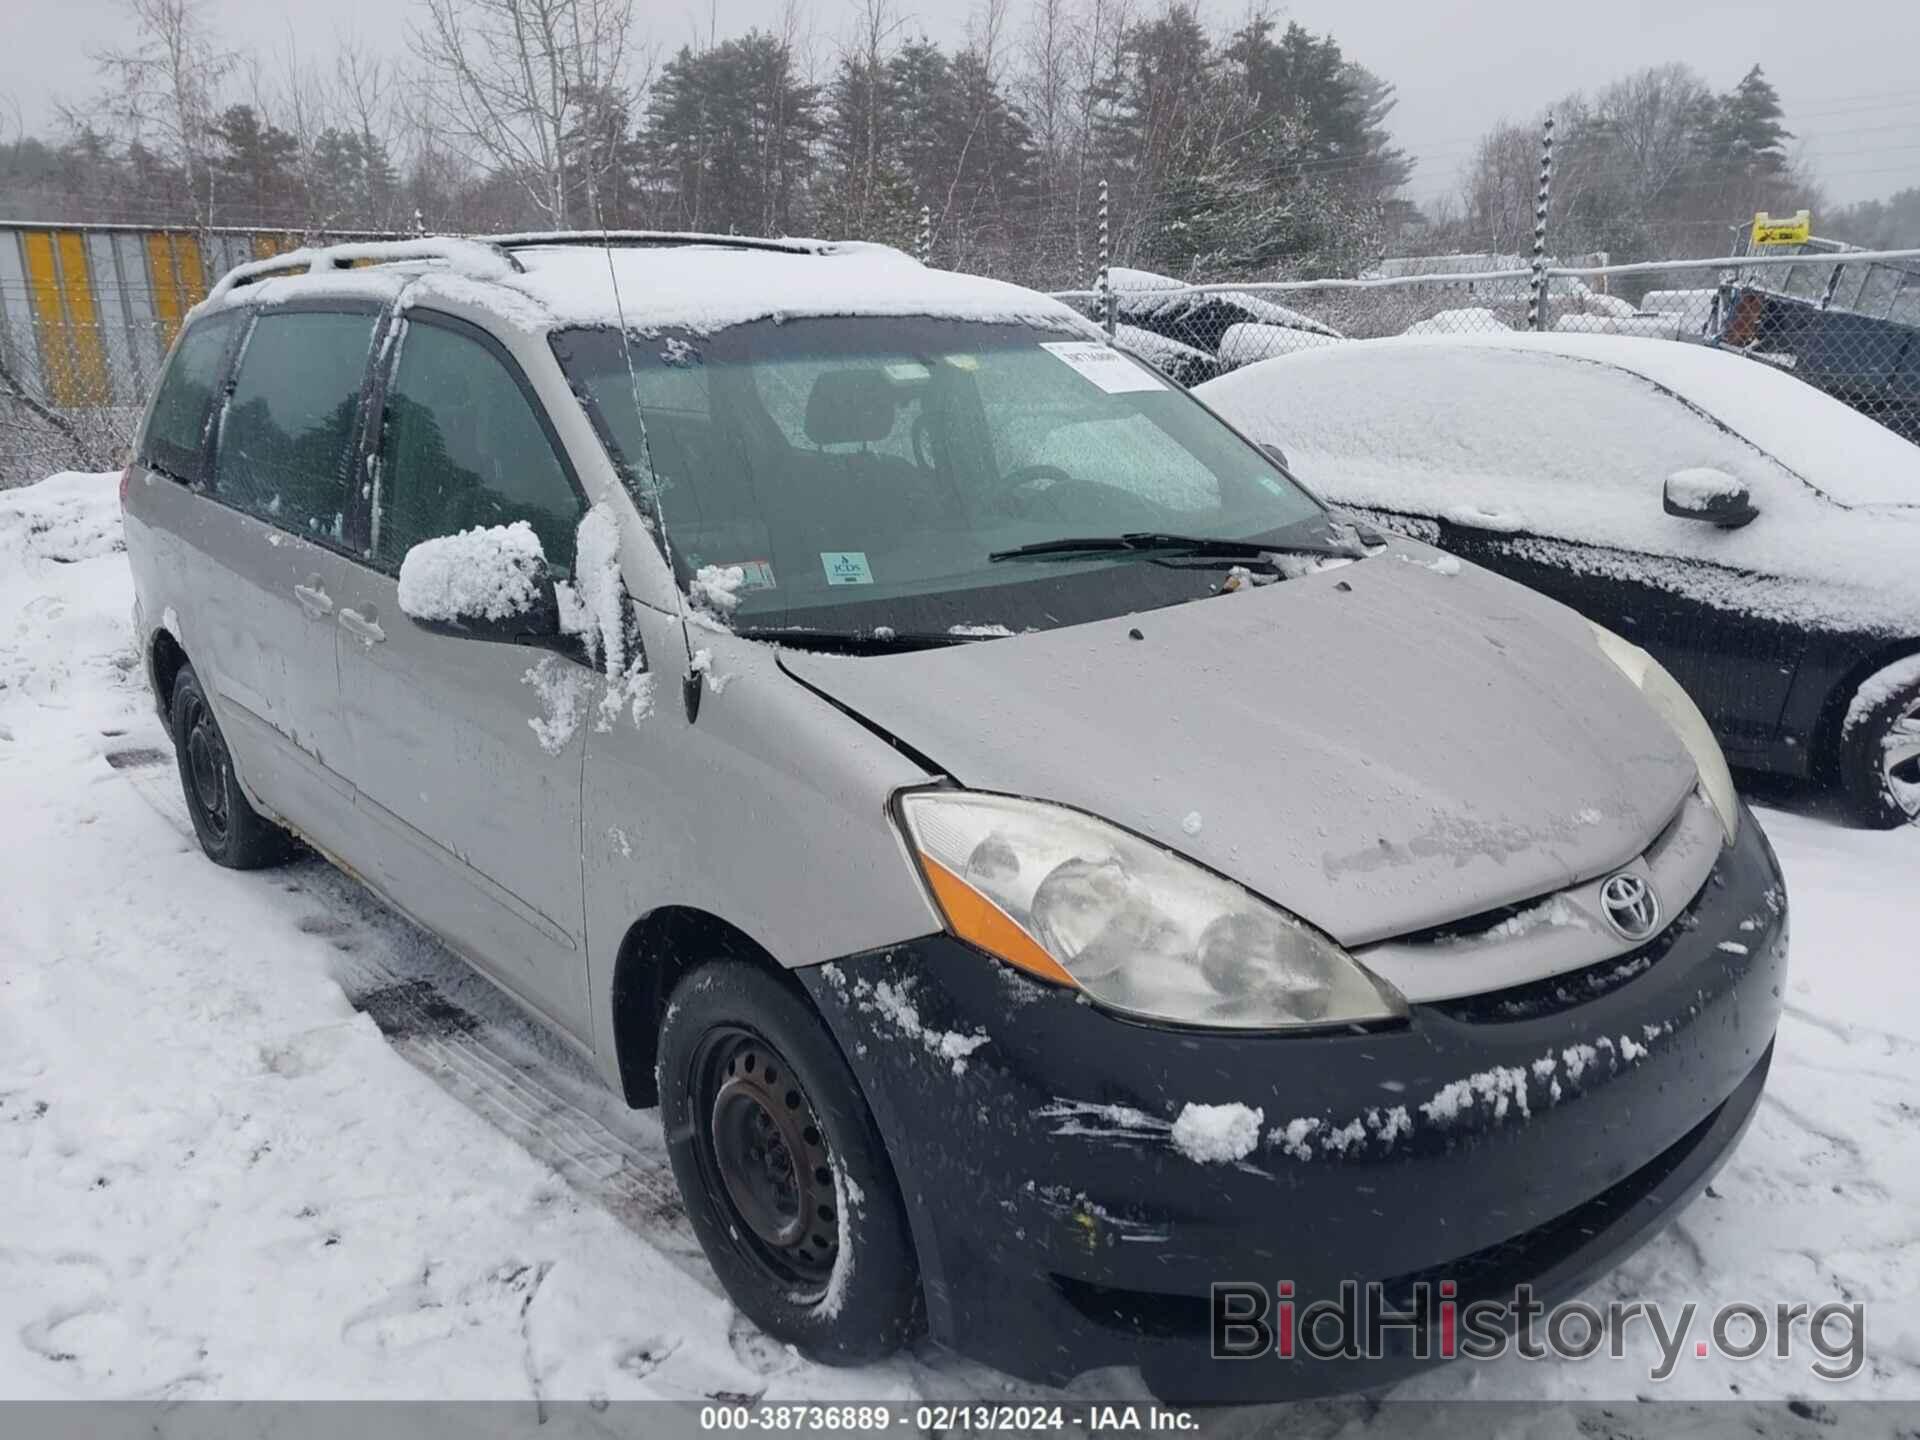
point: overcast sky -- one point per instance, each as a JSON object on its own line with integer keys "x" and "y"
{"x": 1846, "y": 69}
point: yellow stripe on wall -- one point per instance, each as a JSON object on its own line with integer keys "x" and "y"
{"x": 166, "y": 286}
{"x": 190, "y": 268}
{"x": 49, "y": 319}
{"x": 85, "y": 342}
{"x": 265, "y": 246}
{"x": 179, "y": 277}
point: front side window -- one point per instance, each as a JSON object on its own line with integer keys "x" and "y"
{"x": 864, "y": 472}
{"x": 176, "y": 437}
{"x": 287, "y": 435}
{"x": 462, "y": 446}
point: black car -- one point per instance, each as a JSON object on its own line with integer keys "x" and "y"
{"x": 1761, "y": 539}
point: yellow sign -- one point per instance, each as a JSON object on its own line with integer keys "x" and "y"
{"x": 1782, "y": 230}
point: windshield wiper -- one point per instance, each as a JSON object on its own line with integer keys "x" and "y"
{"x": 878, "y": 641}
{"x": 1160, "y": 543}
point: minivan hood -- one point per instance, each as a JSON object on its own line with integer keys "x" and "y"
{"x": 1379, "y": 747}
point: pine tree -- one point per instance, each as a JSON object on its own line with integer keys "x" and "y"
{"x": 255, "y": 167}
{"x": 1745, "y": 134}
{"x": 730, "y": 136}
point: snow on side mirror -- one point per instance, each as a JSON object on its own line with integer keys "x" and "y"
{"x": 1710, "y": 495}
{"x": 482, "y": 584}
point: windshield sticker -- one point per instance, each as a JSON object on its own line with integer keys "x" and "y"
{"x": 964, "y": 362}
{"x": 1104, "y": 366}
{"x": 907, "y": 372}
{"x": 755, "y": 574}
{"x": 846, "y": 567}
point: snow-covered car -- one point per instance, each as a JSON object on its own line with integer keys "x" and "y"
{"x": 1758, "y": 538}
{"x": 1205, "y": 320}
{"x": 1034, "y": 854}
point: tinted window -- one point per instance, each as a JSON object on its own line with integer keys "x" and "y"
{"x": 461, "y": 445}
{"x": 177, "y": 433}
{"x": 288, "y": 429}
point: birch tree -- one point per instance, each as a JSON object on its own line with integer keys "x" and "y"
{"x": 508, "y": 83}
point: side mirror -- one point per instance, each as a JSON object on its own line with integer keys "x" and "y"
{"x": 1712, "y": 496}
{"x": 482, "y": 584}
{"x": 1275, "y": 454}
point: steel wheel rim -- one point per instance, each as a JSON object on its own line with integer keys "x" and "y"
{"x": 760, "y": 1139}
{"x": 207, "y": 767}
{"x": 1900, "y": 759}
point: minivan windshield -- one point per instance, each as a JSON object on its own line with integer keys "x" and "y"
{"x": 874, "y": 474}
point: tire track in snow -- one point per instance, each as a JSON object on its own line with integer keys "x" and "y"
{"x": 473, "y": 1041}
{"x": 447, "y": 1021}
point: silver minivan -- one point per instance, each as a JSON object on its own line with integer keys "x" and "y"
{"x": 1044, "y": 865}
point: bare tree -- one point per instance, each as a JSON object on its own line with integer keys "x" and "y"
{"x": 1045, "y": 85}
{"x": 510, "y": 81}
{"x": 164, "y": 92}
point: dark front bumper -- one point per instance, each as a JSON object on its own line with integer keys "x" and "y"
{"x": 1534, "y": 1136}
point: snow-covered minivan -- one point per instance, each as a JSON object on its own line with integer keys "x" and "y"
{"x": 1040, "y": 861}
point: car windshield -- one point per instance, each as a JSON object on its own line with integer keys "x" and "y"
{"x": 864, "y": 473}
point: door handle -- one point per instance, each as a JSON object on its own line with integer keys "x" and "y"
{"x": 367, "y": 630}
{"x": 314, "y": 600}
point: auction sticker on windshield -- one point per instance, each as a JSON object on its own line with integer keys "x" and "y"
{"x": 1104, "y": 366}
{"x": 846, "y": 567}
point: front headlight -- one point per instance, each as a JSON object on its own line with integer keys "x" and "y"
{"x": 1676, "y": 707}
{"x": 1079, "y": 902}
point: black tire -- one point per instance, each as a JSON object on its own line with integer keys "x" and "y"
{"x": 1879, "y": 754}
{"x": 231, "y": 831}
{"x": 786, "y": 1180}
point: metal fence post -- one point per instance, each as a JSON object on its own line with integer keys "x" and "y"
{"x": 1537, "y": 301}
{"x": 923, "y": 248}
{"x": 1109, "y": 310}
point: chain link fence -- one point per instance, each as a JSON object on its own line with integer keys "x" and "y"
{"x": 74, "y": 375}
{"x": 1847, "y": 322}
{"x": 86, "y": 316}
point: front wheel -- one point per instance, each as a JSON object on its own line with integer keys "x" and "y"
{"x": 1880, "y": 748}
{"x": 784, "y": 1174}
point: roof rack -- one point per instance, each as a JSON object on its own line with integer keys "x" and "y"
{"x": 642, "y": 239}
{"x": 480, "y": 258}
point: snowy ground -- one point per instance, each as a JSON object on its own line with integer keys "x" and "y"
{"x": 260, "y": 1138}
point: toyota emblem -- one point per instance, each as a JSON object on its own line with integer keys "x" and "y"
{"x": 1631, "y": 906}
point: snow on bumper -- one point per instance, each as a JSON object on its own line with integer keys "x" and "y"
{"x": 1062, "y": 1224}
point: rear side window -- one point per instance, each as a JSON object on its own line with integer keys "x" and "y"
{"x": 462, "y": 445}
{"x": 288, "y": 429}
{"x": 176, "y": 436}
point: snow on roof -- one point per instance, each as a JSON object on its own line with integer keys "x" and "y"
{"x": 1123, "y": 277}
{"x": 475, "y": 258}
{"x": 1658, "y": 326}
{"x": 1571, "y": 460}
{"x": 1463, "y": 321}
{"x": 1151, "y": 344}
{"x": 1247, "y": 343}
{"x": 705, "y": 284}
{"x": 707, "y": 288}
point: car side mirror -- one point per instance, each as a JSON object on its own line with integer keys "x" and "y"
{"x": 1275, "y": 454}
{"x": 1712, "y": 496}
{"x": 482, "y": 584}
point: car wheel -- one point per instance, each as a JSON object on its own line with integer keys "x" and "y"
{"x": 782, "y": 1169}
{"x": 1880, "y": 750}
{"x": 231, "y": 831}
